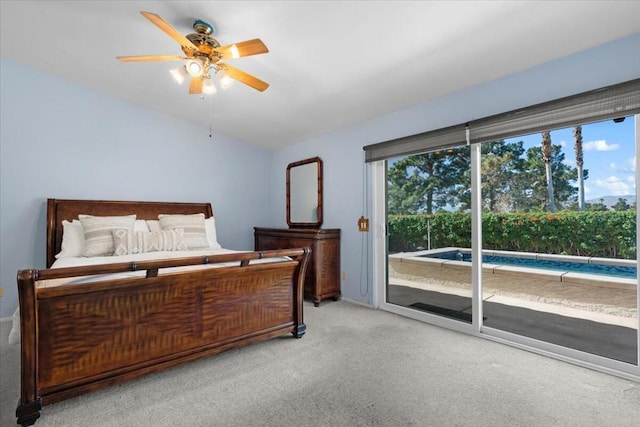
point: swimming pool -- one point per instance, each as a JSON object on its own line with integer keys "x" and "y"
{"x": 609, "y": 269}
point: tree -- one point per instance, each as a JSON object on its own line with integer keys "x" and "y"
{"x": 512, "y": 180}
{"x": 502, "y": 165}
{"x": 424, "y": 183}
{"x": 621, "y": 205}
{"x": 597, "y": 207}
{"x": 546, "y": 156}
{"x": 577, "y": 135}
{"x": 536, "y": 194}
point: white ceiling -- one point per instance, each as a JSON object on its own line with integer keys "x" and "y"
{"x": 331, "y": 63}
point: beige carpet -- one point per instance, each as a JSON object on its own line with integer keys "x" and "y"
{"x": 354, "y": 367}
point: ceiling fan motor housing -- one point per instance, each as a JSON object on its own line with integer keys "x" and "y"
{"x": 203, "y": 40}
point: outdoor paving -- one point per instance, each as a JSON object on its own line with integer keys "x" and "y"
{"x": 604, "y": 304}
{"x": 591, "y": 332}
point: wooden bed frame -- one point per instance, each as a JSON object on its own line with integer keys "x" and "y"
{"x": 80, "y": 338}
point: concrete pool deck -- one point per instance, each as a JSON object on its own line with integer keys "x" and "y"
{"x": 604, "y": 299}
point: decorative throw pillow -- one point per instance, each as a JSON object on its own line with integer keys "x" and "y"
{"x": 72, "y": 239}
{"x": 136, "y": 242}
{"x": 195, "y": 235}
{"x": 98, "y": 239}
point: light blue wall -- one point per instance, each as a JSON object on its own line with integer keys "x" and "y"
{"x": 61, "y": 140}
{"x": 342, "y": 155}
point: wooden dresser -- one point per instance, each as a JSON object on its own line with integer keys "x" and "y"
{"x": 323, "y": 272}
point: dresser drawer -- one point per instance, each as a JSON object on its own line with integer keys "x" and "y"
{"x": 265, "y": 243}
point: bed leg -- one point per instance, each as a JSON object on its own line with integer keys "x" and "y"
{"x": 300, "y": 330}
{"x": 28, "y": 413}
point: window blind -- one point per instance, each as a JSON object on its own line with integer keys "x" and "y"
{"x": 427, "y": 141}
{"x": 610, "y": 102}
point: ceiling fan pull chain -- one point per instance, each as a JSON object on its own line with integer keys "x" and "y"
{"x": 211, "y": 121}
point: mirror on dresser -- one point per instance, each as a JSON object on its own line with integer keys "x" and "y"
{"x": 304, "y": 218}
{"x": 304, "y": 193}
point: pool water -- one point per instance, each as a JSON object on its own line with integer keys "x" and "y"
{"x": 576, "y": 267}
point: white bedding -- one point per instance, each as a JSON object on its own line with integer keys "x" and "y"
{"x": 14, "y": 334}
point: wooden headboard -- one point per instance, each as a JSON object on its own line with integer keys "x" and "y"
{"x": 59, "y": 210}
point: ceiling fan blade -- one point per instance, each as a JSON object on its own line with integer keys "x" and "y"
{"x": 245, "y": 78}
{"x": 195, "y": 85}
{"x": 245, "y": 48}
{"x": 141, "y": 58}
{"x": 172, "y": 32}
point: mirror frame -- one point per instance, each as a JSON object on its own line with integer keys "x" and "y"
{"x": 317, "y": 223}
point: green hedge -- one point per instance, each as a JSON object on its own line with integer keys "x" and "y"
{"x": 609, "y": 234}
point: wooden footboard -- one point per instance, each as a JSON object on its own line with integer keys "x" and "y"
{"x": 80, "y": 338}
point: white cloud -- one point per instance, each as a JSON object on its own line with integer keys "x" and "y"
{"x": 614, "y": 186}
{"x": 599, "y": 145}
{"x": 612, "y": 165}
{"x": 632, "y": 163}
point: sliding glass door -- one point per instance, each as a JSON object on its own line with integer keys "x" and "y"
{"x": 519, "y": 227}
{"x": 429, "y": 233}
{"x": 559, "y": 237}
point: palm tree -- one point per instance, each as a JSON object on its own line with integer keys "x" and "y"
{"x": 546, "y": 156}
{"x": 577, "y": 135}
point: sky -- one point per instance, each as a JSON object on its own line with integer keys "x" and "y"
{"x": 608, "y": 152}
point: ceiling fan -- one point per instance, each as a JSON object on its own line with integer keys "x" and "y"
{"x": 203, "y": 54}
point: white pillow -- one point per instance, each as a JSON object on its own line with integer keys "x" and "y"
{"x": 136, "y": 242}
{"x": 140, "y": 225}
{"x": 98, "y": 240}
{"x": 209, "y": 225}
{"x": 210, "y": 228}
{"x": 154, "y": 225}
{"x": 195, "y": 235}
{"x": 72, "y": 239}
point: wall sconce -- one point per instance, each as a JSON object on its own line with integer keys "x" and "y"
{"x": 363, "y": 224}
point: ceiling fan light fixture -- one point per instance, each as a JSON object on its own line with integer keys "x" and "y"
{"x": 224, "y": 79}
{"x": 195, "y": 67}
{"x": 179, "y": 74}
{"x": 208, "y": 87}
